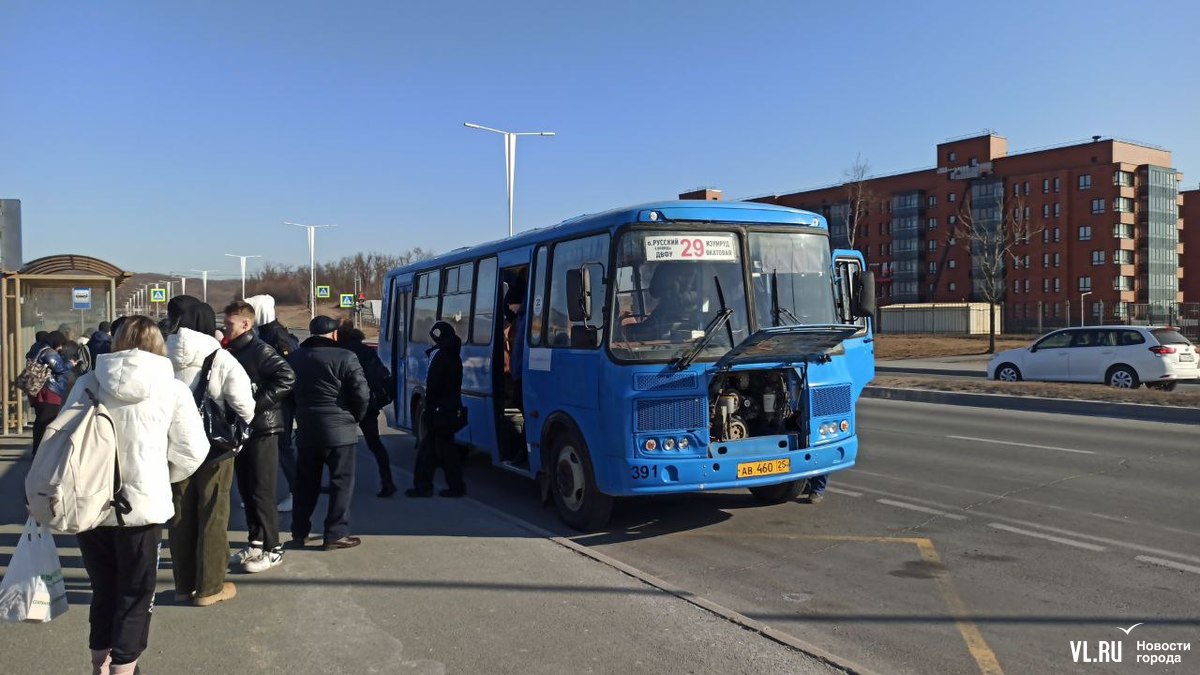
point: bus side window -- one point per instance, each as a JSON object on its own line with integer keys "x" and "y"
{"x": 425, "y": 306}
{"x": 573, "y": 255}
{"x": 484, "y": 311}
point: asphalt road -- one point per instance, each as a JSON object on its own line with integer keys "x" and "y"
{"x": 966, "y": 540}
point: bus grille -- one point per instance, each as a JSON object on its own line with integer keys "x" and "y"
{"x": 829, "y": 401}
{"x": 669, "y": 414}
{"x": 665, "y": 381}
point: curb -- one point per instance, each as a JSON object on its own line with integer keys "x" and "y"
{"x": 892, "y": 370}
{"x": 1127, "y": 411}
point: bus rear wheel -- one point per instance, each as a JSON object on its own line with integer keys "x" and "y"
{"x": 778, "y": 494}
{"x": 579, "y": 502}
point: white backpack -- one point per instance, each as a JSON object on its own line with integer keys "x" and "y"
{"x": 75, "y": 480}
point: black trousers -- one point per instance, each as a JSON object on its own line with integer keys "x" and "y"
{"x": 287, "y": 447}
{"x": 44, "y": 414}
{"x": 310, "y": 464}
{"x": 257, "y": 470}
{"x": 370, "y": 432}
{"x": 438, "y": 449}
{"x": 121, "y": 563}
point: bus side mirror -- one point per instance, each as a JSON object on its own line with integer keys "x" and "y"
{"x": 864, "y": 295}
{"x": 579, "y": 295}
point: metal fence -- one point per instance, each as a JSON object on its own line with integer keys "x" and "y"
{"x": 1184, "y": 316}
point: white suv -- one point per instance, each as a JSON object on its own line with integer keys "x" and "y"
{"x": 1121, "y": 356}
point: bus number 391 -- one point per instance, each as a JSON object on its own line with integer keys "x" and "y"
{"x": 643, "y": 472}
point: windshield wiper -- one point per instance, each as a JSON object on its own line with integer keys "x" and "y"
{"x": 777, "y": 310}
{"x": 718, "y": 321}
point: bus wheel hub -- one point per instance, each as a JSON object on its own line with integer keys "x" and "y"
{"x": 570, "y": 478}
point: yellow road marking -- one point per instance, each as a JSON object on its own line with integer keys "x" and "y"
{"x": 984, "y": 657}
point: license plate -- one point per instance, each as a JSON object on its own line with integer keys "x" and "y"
{"x": 1187, "y": 357}
{"x": 759, "y": 469}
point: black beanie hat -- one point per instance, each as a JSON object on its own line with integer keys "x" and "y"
{"x": 323, "y": 325}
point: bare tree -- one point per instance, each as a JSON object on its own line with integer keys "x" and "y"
{"x": 859, "y": 196}
{"x": 992, "y": 227}
{"x": 289, "y": 283}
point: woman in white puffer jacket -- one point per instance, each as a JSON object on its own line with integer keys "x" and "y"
{"x": 199, "y": 534}
{"x": 160, "y": 439}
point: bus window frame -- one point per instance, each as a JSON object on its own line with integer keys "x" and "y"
{"x": 445, "y": 272}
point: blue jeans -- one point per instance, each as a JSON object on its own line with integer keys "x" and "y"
{"x": 816, "y": 484}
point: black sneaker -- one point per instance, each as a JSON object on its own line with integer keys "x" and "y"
{"x": 386, "y": 491}
{"x": 418, "y": 492}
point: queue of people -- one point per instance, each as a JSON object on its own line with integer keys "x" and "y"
{"x": 153, "y": 377}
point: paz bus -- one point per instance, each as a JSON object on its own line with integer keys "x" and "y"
{"x": 669, "y": 347}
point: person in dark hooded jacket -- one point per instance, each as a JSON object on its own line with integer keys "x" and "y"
{"x": 100, "y": 342}
{"x": 49, "y": 400}
{"x": 378, "y": 380}
{"x": 442, "y": 416}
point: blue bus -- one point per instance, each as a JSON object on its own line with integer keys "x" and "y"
{"x": 669, "y": 347}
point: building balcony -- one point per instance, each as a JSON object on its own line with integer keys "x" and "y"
{"x": 1125, "y": 296}
{"x": 1178, "y": 272}
{"x": 1126, "y": 270}
{"x": 1179, "y": 248}
{"x": 1127, "y": 191}
{"x": 1126, "y": 245}
{"x": 1126, "y": 217}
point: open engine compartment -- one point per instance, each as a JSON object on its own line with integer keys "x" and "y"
{"x": 749, "y": 403}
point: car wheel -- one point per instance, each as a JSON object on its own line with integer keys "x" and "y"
{"x": 1162, "y": 386}
{"x": 1007, "y": 372}
{"x": 1122, "y": 377}
{"x": 579, "y": 502}
{"x": 778, "y": 494}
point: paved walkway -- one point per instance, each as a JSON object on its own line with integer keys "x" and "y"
{"x": 438, "y": 586}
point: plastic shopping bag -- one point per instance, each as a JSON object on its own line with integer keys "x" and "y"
{"x": 33, "y": 589}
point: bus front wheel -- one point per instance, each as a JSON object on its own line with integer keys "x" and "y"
{"x": 778, "y": 494}
{"x": 579, "y": 502}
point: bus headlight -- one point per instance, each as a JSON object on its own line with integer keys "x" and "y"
{"x": 651, "y": 444}
{"x": 824, "y": 429}
{"x": 845, "y": 426}
{"x": 669, "y": 444}
{"x": 684, "y": 443}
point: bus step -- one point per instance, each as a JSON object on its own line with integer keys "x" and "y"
{"x": 519, "y": 469}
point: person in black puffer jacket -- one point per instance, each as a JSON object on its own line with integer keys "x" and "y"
{"x": 442, "y": 417}
{"x": 378, "y": 379}
{"x": 331, "y": 397}
{"x": 257, "y": 465}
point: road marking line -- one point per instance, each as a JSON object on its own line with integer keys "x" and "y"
{"x": 922, "y": 509}
{"x": 840, "y": 491}
{"x": 984, "y": 657}
{"x": 1168, "y": 563}
{"x": 1023, "y": 445}
{"x": 1039, "y": 535}
{"x": 1116, "y": 543}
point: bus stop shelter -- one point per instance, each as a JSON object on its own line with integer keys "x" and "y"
{"x": 73, "y": 293}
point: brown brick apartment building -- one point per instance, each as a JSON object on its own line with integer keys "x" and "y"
{"x": 1104, "y": 216}
{"x": 1189, "y": 238}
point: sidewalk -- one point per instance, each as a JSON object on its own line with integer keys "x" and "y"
{"x": 438, "y": 586}
{"x": 972, "y": 365}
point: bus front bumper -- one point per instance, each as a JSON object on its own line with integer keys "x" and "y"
{"x": 673, "y": 475}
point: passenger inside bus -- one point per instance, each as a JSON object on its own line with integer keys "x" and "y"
{"x": 512, "y": 421}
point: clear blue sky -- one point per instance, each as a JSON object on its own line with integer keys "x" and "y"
{"x": 161, "y": 135}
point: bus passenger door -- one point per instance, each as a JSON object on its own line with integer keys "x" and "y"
{"x": 398, "y": 358}
{"x": 849, "y": 279}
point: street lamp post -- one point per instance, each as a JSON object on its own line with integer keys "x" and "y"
{"x": 1082, "y": 321}
{"x": 510, "y": 160}
{"x": 243, "y": 258}
{"x": 312, "y": 265}
{"x": 204, "y": 282}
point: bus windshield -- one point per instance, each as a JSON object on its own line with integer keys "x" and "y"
{"x": 791, "y": 276}
{"x": 669, "y": 286}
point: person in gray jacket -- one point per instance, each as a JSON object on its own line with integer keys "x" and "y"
{"x": 332, "y": 397}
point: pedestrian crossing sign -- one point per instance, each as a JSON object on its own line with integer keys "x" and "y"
{"x": 158, "y": 295}
{"x": 323, "y": 292}
{"x": 346, "y": 300}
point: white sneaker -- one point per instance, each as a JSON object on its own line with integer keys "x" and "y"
{"x": 265, "y": 561}
{"x": 252, "y": 551}
{"x": 285, "y": 506}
